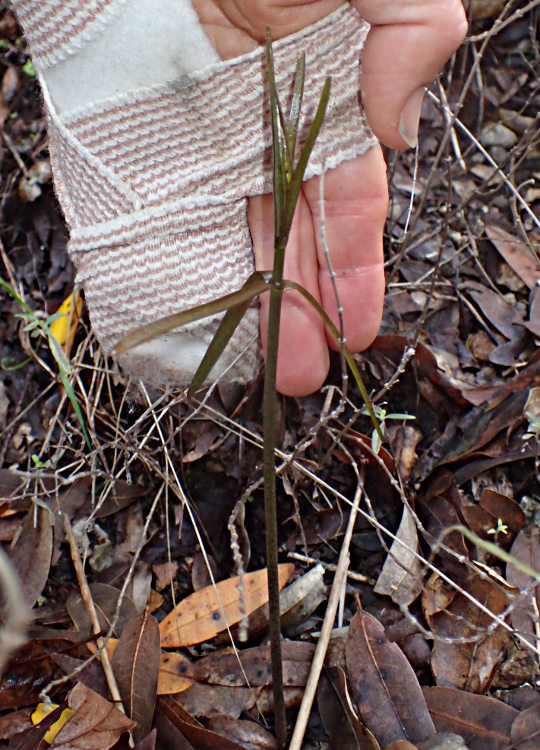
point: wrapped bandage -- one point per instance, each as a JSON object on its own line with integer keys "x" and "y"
{"x": 154, "y": 180}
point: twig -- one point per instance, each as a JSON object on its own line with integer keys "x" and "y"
{"x": 330, "y": 567}
{"x": 326, "y": 630}
{"x": 88, "y": 602}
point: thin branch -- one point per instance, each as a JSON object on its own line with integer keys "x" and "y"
{"x": 326, "y": 630}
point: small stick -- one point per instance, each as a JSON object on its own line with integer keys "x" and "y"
{"x": 326, "y": 630}
{"x": 88, "y": 602}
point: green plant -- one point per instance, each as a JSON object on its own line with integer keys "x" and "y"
{"x": 287, "y": 184}
{"x": 40, "y": 329}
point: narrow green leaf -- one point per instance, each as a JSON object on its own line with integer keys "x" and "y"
{"x": 70, "y": 393}
{"x": 348, "y": 356}
{"x": 296, "y": 104}
{"x": 253, "y": 286}
{"x": 12, "y": 293}
{"x": 298, "y": 176}
{"x": 221, "y": 338}
{"x": 279, "y": 168}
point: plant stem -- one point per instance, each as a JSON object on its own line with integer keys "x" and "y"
{"x": 270, "y": 504}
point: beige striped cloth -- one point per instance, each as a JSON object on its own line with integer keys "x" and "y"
{"x": 154, "y": 182}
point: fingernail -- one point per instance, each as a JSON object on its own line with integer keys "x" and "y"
{"x": 410, "y": 118}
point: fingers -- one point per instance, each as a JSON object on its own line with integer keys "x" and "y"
{"x": 408, "y": 43}
{"x": 355, "y": 206}
{"x": 303, "y": 358}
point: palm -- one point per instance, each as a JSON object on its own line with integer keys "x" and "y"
{"x": 355, "y": 193}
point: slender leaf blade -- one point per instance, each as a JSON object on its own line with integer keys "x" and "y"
{"x": 253, "y": 286}
{"x": 221, "y": 338}
{"x": 296, "y": 104}
{"x": 299, "y": 171}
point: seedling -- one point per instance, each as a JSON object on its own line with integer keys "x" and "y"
{"x": 288, "y": 176}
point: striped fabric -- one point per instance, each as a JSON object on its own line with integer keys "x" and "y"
{"x": 154, "y": 184}
{"x": 57, "y": 29}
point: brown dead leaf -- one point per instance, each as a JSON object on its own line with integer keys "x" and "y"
{"x": 338, "y": 716}
{"x": 526, "y": 549}
{"x": 470, "y": 665}
{"x": 400, "y": 577}
{"x": 384, "y": 685}
{"x": 136, "y": 663}
{"x": 169, "y": 735}
{"x": 165, "y": 572}
{"x": 254, "y": 664}
{"x": 207, "y": 612}
{"x": 31, "y": 553}
{"x": 105, "y": 600}
{"x": 148, "y": 742}
{"x": 516, "y": 254}
{"x": 95, "y": 725}
{"x": 484, "y": 723}
{"x": 248, "y": 734}
{"x": 526, "y": 729}
{"x": 202, "y": 739}
{"x": 501, "y": 314}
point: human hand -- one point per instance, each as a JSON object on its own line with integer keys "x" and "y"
{"x": 393, "y": 77}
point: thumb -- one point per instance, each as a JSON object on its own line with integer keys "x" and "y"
{"x": 405, "y": 49}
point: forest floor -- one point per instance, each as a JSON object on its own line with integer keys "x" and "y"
{"x": 438, "y": 629}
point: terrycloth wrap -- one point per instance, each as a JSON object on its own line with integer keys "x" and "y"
{"x": 154, "y": 182}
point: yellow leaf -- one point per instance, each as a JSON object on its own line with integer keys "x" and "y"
{"x": 210, "y": 610}
{"x": 42, "y": 711}
{"x": 109, "y": 648}
{"x": 63, "y": 328}
{"x": 170, "y": 679}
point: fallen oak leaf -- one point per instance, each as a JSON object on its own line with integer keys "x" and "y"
{"x": 209, "y": 611}
{"x": 96, "y": 723}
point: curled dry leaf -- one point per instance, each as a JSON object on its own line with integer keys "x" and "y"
{"x": 484, "y": 723}
{"x": 400, "y": 578}
{"x": 384, "y": 685}
{"x": 136, "y": 662}
{"x": 96, "y": 723}
{"x": 207, "y": 612}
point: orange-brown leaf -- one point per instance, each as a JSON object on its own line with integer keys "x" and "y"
{"x": 210, "y": 610}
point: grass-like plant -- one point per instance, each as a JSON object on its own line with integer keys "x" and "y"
{"x": 40, "y": 328}
{"x": 288, "y": 175}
